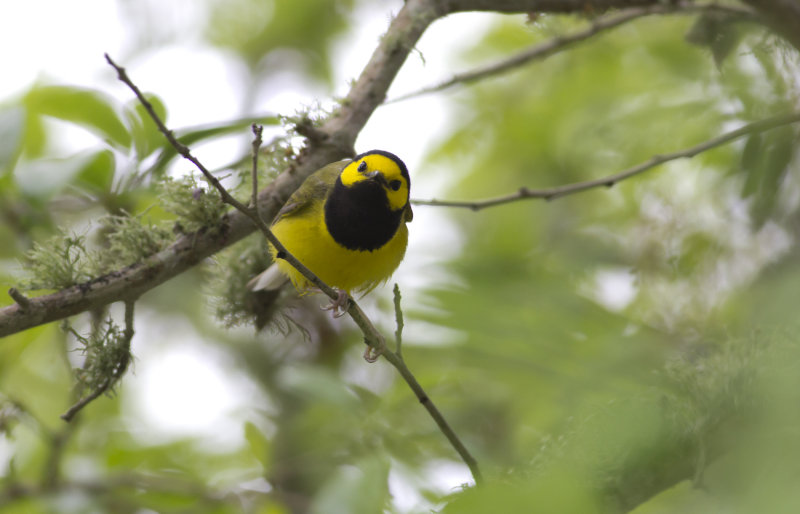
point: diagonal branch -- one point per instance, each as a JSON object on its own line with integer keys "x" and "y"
{"x": 557, "y": 192}
{"x": 258, "y": 130}
{"x": 339, "y": 133}
{"x": 182, "y": 149}
{"x": 334, "y": 140}
{"x": 559, "y": 43}
{"x": 395, "y": 358}
{"x": 372, "y": 336}
{"x": 251, "y": 213}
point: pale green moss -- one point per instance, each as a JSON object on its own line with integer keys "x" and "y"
{"x": 59, "y": 262}
{"x": 106, "y": 352}
{"x": 196, "y": 206}
{"x": 128, "y": 239}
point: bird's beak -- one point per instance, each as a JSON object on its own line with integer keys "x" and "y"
{"x": 377, "y": 176}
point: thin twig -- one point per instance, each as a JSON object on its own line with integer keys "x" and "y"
{"x": 179, "y": 147}
{"x": 400, "y": 365}
{"x": 251, "y": 213}
{"x": 257, "y": 131}
{"x": 609, "y": 181}
{"x": 22, "y": 300}
{"x": 396, "y": 359}
{"x": 560, "y": 43}
{"x": 398, "y": 317}
{"x": 187, "y": 250}
{"x": 372, "y": 336}
{"x": 120, "y": 369}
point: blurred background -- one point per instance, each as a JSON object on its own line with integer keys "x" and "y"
{"x": 631, "y": 348}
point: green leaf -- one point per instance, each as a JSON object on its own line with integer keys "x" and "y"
{"x": 146, "y": 136}
{"x": 14, "y": 345}
{"x": 98, "y": 173}
{"x": 772, "y": 169}
{"x": 750, "y": 161}
{"x": 306, "y": 29}
{"x": 752, "y": 150}
{"x": 318, "y": 384}
{"x": 682, "y": 497}
{"x": 355, "y": 489}
{"x": 259, "y": 444}
{"x": 716, "y": 31}
{"x": 12, "y": 130}
{"x": 47, "y": 177}
{"x": 90, "y": 109}
{"x": 559, "y": 491}
{"x": 34, "y": 142}
{"x": 191, "y": 136}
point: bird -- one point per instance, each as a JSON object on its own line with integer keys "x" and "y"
{"x": 347, "y": 224}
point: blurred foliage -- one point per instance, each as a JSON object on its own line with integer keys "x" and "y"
{"x": 631, "y": 349}
{"x": 258, "y": 31}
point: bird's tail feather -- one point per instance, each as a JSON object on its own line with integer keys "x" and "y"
{"x": 271, "y": 279}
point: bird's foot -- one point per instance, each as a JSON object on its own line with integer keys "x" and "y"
{"x": 339, "y": 305}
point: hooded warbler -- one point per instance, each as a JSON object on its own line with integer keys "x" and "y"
{"x": 346, "y": 223}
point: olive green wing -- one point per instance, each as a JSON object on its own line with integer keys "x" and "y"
{"x": 314, "y": 188}
{"x": 408, "y": 214}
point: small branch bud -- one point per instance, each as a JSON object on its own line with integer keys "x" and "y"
{"x": 21, "y": 299}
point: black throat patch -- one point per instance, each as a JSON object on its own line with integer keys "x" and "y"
{"x": 359, "y": 217}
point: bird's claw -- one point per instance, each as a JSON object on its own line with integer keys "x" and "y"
{"x": 340, "y": 305}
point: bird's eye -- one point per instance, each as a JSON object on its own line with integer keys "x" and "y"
{"x": 362, "y": 167}
{"x": 395, "y": 185}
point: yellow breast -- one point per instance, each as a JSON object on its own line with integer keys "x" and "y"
{"x": 307, "y": 239}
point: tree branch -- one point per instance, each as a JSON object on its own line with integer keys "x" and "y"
{"x": 258, "y": 130}
{"x": 251, "y": 213}
{"x": 372, "y": 336}
{"x": 557, "y": 192}
{"x": 399, "y": 322}
{"x": 554, "y": 6}
{"x": 783, "y": 15}
{"x": 336, "y": 138}
{"x": 395, "y": 358}
{"x": 182, "y": 149}
{"x": 400, "y": 365}
{"x": 341, "y": 129}
{"x": 559, "y": 43}
{"x": 368, "y": 91}
{"x": 23, "y": 301}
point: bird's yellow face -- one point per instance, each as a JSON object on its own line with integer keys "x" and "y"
{"x": 386, "y": 170}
